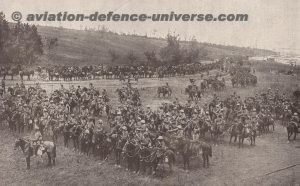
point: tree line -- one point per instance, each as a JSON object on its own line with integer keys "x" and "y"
{"x": 20, "y": 44}
{"x": 172, "y": 54}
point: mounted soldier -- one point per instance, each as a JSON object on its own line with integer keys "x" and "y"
{"x": 37, "y": 140}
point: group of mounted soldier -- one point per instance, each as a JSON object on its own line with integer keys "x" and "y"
{"x": 139, "y": 137}
{"x": 69, "y": 73}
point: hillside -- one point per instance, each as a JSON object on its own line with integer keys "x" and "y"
{"x": 78, "y": 47}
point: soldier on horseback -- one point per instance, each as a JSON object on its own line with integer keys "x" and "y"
{"x": 37, "y": 141}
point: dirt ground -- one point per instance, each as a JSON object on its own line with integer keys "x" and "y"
{"x": 229, "y": 165}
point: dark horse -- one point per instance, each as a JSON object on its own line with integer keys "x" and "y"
{"x": 164, "y": 90}
{"x": 26, "y": 73}
{"x": 151, "y": 157}
{"x": 233, "y": 133}
{"x": 28, "y": 150}
{"x": 246, "y": 133}
{"x": 131, "y": 153}
{"x": 292, "y": 128}
{"x": 188, "y": 148}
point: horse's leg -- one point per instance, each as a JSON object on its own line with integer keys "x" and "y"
{"x": 28, "y": 162}
{"x": 204, "y": 159}
{"x": 184, "y": 163}
{"x": 289, "y": 134}
{"x": 243, "y": 141}
{"x": 188, "y": 163}
{"x": 137, "y": 165}
{"x": 170, "y": 165}
{"x": 117, "y": 157}
{"x": 49, "y": 159}
{"x": 65, "y": 140}
{"x": 128, "y": 163}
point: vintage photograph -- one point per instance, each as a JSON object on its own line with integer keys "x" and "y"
{"x": 150, "y": 92}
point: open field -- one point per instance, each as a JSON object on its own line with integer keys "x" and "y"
{"x": 229, "y": 164}
{"x": 79, "y": 47}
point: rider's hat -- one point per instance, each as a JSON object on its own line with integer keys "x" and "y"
{"x": 160, "y": 138}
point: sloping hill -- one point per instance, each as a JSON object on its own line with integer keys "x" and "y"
{"x": 78, "y": 47}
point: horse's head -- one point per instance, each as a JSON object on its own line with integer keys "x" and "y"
{"x": 18, "y": 143}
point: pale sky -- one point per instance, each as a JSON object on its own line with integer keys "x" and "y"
{"x": 272, "y": 24}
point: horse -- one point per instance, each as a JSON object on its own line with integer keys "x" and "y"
{"x": 86, "y": 141}
{"x": 27, "y": 73}
{"x": 67, "y": 134}
{"x": 151, "y": 157}
{"x": 118, "y": 150}
{"x": 28, "y": 150}
{"x": 145, "y": 157}
{"x": 193, "y": 92}
{"x": 189, "y": 148}
{"x": 233, "y": 133}
{"x": 164, "y": 90}
{"x": 75, "y": 133}
{"x": 245, "y": 132}
{"x": 101, "y": 144}
{"x": 292, "y": 128}
{"x": 131, "y": 153}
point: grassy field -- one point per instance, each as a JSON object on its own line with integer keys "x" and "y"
{"x": 229, "y": 164}
{"x": 79, "y": 47}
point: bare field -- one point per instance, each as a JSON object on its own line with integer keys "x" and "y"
{"x": 229, "y": 164}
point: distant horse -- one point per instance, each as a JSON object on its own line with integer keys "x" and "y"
{"x": 292, "y": 128}
{"x": 28, "y": 150}
{"x": 164, "y": 90}
{"x": 193, "y": 92}
{"x": 27, "y": 73}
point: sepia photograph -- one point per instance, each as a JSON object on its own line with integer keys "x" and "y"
{"x": 149, "y": 93}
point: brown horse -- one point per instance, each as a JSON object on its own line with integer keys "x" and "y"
{"x": 27, "y": 73}
{"x": 164, "y": 90}
{"x": 28, "y": 150}
{"x": 292, "y": 128}
{"x": 188, "y": 148}
{"x": 246, "y": 133}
